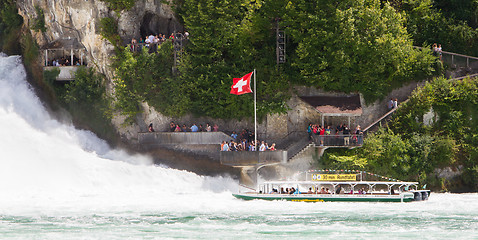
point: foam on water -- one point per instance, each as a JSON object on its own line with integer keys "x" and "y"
{"x": 57, "y": 182}
{"x": 45, "y": 162}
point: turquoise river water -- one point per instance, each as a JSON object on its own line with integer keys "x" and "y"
{"x": 57, "y": 182}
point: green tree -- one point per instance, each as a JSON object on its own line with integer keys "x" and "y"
{"x": 450, "y": 23}
{"x": 147, "y": 77}
{"x": 353, "y": 46}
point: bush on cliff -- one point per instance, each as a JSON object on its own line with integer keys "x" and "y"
{"x": 147, "y": 77}
{"x": 10, "y": 23}
{"x": 87, "y": 101}
{"x": 120, "y": 5}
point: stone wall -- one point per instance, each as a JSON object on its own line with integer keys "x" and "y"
{"x": 177, "y": 138}
{"x": 247, "y": 158}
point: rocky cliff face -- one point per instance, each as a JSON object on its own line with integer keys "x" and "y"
{"x": 80, "y": 19}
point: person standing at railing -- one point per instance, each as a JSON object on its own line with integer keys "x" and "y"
{"x": 309, "y": 131}
{"x": 358, "y": 135}
{"x": 272, "y": 147}
{"x": 395, "y": 103}
{"x": 439, "y": 51}
{"x": 262, "y": 148}
{"x": 322, "y": 133}
{"x": 134, "y": 44}
{"x": 346, "y": 133}
{"x": 435, "y": 49}
{"x": 194, "y": 128}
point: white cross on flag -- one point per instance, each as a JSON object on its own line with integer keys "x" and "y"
{"x": 241, "y": 85}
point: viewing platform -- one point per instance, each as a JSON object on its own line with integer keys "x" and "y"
{"x": 67, "y": 73}
{"x": 168, "y": 138}
{"x": 247, "y": 158}
{"x": 66, "y": 55}
{"x": 347, "y": 141}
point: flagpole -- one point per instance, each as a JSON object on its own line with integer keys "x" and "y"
{"x": 255, "y": 112}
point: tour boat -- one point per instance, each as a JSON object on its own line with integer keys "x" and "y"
{"x": 337, "y": 187}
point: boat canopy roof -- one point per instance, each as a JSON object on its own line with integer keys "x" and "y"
{"x": 339, "y": 182}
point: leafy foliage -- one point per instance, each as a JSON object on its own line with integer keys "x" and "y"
{"x": 10, "y": 23}
{"x": 340, "y": 45}
{"x": 147, "y": 77}
{"x": 229, "y": 39}
{"x": 450, "y": 23}
{"x": 120, "y": 5}
{"x": 353, "y": 46}
{"x": 86, "y": 99}
{"x": 30, "y": 50}
{"x": 109, "y": 31}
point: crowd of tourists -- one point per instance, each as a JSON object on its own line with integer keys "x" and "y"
{"x": 65, "y": 61}
{"x": 341, "y": 135}
{"x": 176, "y": 127}
{"x": 244, "y": 141}
{"x": 245, "y": 145}
{"x": 152, "y": 41}
{"x": 322, "y": 190}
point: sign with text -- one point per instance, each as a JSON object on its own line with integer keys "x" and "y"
{"x": 334, "y": 177}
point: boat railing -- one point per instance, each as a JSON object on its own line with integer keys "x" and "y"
{"x": 347, "y": 188}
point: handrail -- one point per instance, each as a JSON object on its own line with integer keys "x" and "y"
{"x": 296, "y": 148}
{"x": 450, "y": 53}
{"x": 394, "y": 109}
{"x": 338, "y": 140}
{"x": 286, "y": 140}
{"x": 461, "y": 78}
{"x": 381, "y": 118}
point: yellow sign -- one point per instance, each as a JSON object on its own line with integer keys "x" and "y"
{"x": 334, "y": 177}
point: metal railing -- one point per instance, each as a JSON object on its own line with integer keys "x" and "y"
{"x": 138, "y": 47}
{"x": 338, "y": 140}
{"x": 455, "y": 59}
{"x": 382, "y": 118}
{"x": 287, "y": 141}
{"x": 389, "y": 113}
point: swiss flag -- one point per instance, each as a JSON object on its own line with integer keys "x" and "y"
{"x": 241, "y": 85}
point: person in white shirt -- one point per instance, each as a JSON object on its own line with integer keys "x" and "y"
{"x": 225, "y": 147}
{"x": 262, "y": 148}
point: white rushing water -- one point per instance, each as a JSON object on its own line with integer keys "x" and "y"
{"x": 57, "y": 182}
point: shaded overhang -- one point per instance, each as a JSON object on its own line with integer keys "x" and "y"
{"x": 335, "y": 106}
{"x": 64, "y": 44}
